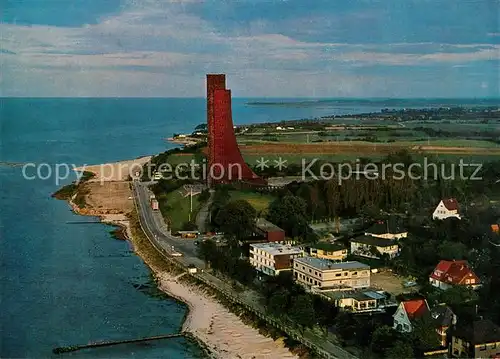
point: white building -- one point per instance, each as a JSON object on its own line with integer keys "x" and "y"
{"x": 447, "y": 208}
{"x": 407, "y": 312}
{"x": 370, "y": 247}
{"x": 325, "y": 275}
{"x": 273, "y": 258}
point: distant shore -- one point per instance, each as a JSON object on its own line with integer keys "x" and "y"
{"x": 222, "y": 333}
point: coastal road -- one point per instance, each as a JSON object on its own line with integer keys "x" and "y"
{"x": 155, "y": 226}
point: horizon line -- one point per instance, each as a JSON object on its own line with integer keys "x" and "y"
{"x": 253, "y": 97}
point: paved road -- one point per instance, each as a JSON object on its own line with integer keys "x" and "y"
{"x": 156, "y": 227}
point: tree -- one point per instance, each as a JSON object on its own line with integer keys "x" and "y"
{"x": 383, "y": 338}
{"x": 207, "y": 251}
{"x": 278, "y": 303}
{"x": 346, "y": 326}
{"x": 424, "y": 335}
{"x": 452, "y": 250}
{"x": 236, "y": 219}
{"x": 302, "y": 311}
{"x": 289, "y": 213}
{"x": 326, "y": 312}
{"x": 204, "y": 196}
{"x": 399, "y": 350}
{"x": 189, "y": 226}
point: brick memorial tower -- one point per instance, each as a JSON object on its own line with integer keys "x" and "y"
{"x": 225, "y": 163}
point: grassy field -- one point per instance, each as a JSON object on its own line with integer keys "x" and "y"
{"x": 258, "y": 201}
{"x": 176, "y": 209}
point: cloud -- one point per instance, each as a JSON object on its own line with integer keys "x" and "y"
{"x": 159, "y": 48}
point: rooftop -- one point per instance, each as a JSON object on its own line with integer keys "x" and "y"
{"x": 357, "y": 295}
{"x": 453, "y": 271}
{"x": 326, "y": 246}
{"x": 266, "y": 226}
{"x": 479, "y": 332}
{"x": 392, "y": 225}
{"x": 374, "y": 241}
{"x": 276, "y": 248}
{"x": 416, "y": 308}
{"x": 451, "y": 204}
{"x": 324, "y": 264}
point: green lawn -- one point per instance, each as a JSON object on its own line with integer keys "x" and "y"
{"x": 175, "y": 208}
{"x": 258, "y": 201}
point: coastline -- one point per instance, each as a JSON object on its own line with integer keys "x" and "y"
{"x": 214, "y": 327}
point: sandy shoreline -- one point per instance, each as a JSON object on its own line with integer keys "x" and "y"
{"x": 115, "y": 171}
{"x": 223, "y": 333}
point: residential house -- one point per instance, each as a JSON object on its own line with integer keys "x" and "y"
{"x": 325, "y": 250}
{"x": 408, "y": 311}
{"x": 269, "y": 231}
{"x": 480, "y": 339}
{"x": 450, "y": 273}
{"x": 373, "y": 247}
{"x": 444, "y": 319}
{"x": 322, "y": 274}
{"x": 273, "y": 258}
{"x": 447, "y": 208}
{"x": 387, "y": 229}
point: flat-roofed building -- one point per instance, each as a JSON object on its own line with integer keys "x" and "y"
{"x": 269, "y": 231}
{"x": 373, "y": 247}
{"x": 325, "y": 250}
{"x": 323, "y": 274}
{"x": 272, "y": 258}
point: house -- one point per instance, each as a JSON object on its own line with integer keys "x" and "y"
{"x": 495, "y": 228}
{"x": 447, "y": 208}
{"x": 325, "y": 250}
{"x": 269, "y": 231}
{"x": 444, "y": 319}
{"x": 322, "y": 274}
{"x": 480, "y": 339}
{"x": 408, "y": 311}
{"x": 450, "y": 273}
{"x": 373, "y": 247}
{"x": 273, "y": 258}
{"x": 388, "y": 229}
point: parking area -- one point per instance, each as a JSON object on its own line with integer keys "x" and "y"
{"x": 390, "y": 282}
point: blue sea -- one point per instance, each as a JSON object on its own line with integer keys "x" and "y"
{"x": 67, "y": 284}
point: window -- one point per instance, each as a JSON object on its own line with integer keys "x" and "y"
{"x": 472, "y": 281}
{"x": 345, "y": 274}
{"x": 338, "y": 275}
{"x": 310, "y": 271}
{"x": 354, "y": 273}
{"x": 315, "y": 282}
{"x": 315, "y": 273}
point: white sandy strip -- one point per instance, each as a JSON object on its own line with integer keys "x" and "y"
{"x": 222, "y": 331}
{"x": 116, "y": 171}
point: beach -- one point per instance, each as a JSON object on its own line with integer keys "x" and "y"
{"x": 223, "y": 333}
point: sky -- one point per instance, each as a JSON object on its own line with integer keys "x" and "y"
{"x": 267, "y": 48}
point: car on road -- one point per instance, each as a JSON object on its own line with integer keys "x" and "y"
{"x": 176, "y": 254}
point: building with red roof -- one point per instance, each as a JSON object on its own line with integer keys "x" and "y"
{"x": 447, "y": 208}
{"x": 451, "y": 273}
{"x": 408, "y": 311}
